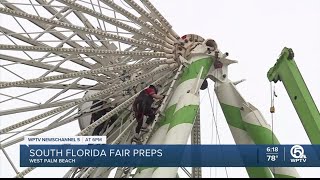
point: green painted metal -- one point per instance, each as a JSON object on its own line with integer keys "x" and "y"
{"x": 234, "y": 119}
{"x": 258, "y": 172}
{"x": 286, "y": 70}
{"x": 186, "y": 114}
{"x": 261, "y": 135}
{"x": 282, "y": 176}
{"x": 233, "y": 116}
{"x": 168, "y": 114}
{"x": 192, "y": 71}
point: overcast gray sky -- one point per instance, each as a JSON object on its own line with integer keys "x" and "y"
{"x": 254, "y": 33}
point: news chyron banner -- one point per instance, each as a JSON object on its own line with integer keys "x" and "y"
{"x": 91, "y": 151}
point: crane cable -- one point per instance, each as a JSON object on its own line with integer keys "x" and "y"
{"x": 212, "y": 124}
{"x": 216, "y": 113}
{"x": 272, "y": 108}
{"x": 216, "y": 125}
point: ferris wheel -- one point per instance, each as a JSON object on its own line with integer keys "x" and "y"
{"x": 65, "y": 61}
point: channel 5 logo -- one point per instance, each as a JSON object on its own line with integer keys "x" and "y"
{"x": 297, "y": 152}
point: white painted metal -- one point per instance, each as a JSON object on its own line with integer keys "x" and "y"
{"x": 109, "y": 47}
{"x": 65, "y": 35}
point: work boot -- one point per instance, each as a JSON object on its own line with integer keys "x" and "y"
{"x": 136, "y": 140}
{"x": 145, "y": 129}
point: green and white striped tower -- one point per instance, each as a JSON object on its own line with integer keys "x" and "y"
{"x": 261, "y": 133}
{"x": 188, "y": 81}
{"x": 187, "y": 105}
{"x": 248, "y": 127}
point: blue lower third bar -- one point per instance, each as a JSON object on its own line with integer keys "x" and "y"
{"x": 170, "y": 155}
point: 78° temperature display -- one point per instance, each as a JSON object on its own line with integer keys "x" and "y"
{"x": 272, "y": 154}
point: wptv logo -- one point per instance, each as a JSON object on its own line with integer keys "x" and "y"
{"x": 297, "y": 152}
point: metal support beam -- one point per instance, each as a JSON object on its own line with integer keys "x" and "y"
{"x": 83, "y": 73}
{"x": 112, "y": 21}
{"x": 81, "y": 29}
{"x": 196, "y": 139}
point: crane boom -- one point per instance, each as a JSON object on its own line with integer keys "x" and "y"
{"x": 287, "y": 71}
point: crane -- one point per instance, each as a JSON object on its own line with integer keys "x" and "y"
{"x": 287, "y": 71}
